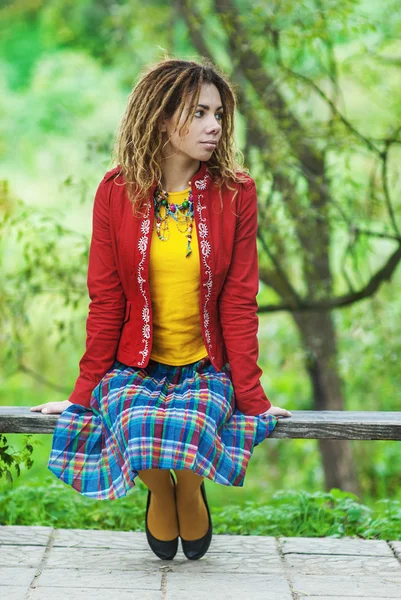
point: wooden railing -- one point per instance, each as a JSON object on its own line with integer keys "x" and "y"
{"x": 303, "y": 424}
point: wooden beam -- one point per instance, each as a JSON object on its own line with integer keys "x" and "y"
{"x": 304, "y": 424}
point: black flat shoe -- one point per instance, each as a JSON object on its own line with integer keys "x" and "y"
{"x": 166, "y": 550}
{"x": 194, "y": 549}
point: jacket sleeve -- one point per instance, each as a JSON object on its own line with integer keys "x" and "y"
{"x": 238, "y": 309}
{"x": 106, "y": 306}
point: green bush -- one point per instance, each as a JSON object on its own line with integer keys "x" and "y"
{"x": 299, "y": 514}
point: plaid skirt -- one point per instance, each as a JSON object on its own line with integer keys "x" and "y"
{"x": 157, "y": 417}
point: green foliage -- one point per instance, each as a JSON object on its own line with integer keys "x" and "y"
{"x": 54, "y": 504}
{"x": 332, "y": 514}
{"x": 299, "y": 514}
{"x": 41, "y": 269}
{"x": 10, "y": 459}
{"x": 20, "y": 47}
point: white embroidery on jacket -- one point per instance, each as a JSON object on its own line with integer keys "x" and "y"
{"x": 205, "y": 250}
{"x": 142, "y": 246}
{"x": 202, "y": 183}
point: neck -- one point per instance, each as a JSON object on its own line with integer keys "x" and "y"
{"x": 177, "y": 172}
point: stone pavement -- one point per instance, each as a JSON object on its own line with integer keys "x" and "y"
{"x": 42, "y": 563}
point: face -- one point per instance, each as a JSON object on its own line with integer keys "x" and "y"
{"x": 205, "y": 127}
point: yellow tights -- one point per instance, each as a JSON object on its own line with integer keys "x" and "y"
{"x": 192, "y": 520}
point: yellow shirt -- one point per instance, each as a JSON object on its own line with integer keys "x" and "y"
{"x": 174, "y": 281}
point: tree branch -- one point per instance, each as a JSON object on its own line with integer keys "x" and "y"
{"x": 382, "y": 275}
{"x": 266, "y": 87}
{"x": 54, "y": 386}
{"x": 333, "y": 108}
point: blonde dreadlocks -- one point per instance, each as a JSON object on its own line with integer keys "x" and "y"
{"x": 162, "y": 90}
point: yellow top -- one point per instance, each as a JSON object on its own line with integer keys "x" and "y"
{"x": 174, "y": 281}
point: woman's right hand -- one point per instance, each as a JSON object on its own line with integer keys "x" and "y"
{"x": 51, "y": 407}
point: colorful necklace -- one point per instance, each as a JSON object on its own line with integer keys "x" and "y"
{"x": 182, "y": 213}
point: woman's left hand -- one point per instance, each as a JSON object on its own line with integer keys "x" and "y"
{"x": 277, "y": 412}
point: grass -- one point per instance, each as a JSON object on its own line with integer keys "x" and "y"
{"x": 288, "y": 513}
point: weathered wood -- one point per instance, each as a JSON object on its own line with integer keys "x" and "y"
{"x": 304, "y": 424}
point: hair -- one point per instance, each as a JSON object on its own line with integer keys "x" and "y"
{"x": 163, "y": 89}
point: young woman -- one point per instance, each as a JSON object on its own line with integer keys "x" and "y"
{"x": 169, "y": 386}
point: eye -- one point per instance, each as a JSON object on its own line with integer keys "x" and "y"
{"x": 219, "y": 114}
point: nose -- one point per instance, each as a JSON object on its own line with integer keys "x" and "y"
{"x": 215, "y": 126}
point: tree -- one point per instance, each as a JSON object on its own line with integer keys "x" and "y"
{"x": 292, "y": 96}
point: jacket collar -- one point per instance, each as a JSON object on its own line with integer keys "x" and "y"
{"x": 200, "y": 181}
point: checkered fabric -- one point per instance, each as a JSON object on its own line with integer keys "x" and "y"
{"x": 157, "y": 417}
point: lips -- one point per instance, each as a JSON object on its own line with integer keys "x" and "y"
{"x": 210, "y": 145}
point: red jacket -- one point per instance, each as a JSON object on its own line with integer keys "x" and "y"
{"x": 119, "y": 323}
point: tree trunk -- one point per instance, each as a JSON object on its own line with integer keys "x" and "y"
{"x": 312, "y": 227}
{"x": 319, "y": 342}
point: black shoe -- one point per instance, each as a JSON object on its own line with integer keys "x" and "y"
{"x": 166, "y": 550}
{"x": 194, "y": 549}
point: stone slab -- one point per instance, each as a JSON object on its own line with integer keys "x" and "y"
{"x": 67, "y": 593}
{"x": 86, "y": 564}
{"x": 24, "y": 535}
{"x": 232, "y": 586}
{"x": 21, "y": 556}
{"x": 126, "y": 560}
{"x": 21, "y": 576}
{"x": 136, "y": 540}
{"x": 103, "y": 577}
{"x": 93, "y": 558}
{"x": 320, "y": 564}
{"x": 347, "y": 586}
{"x": 8, "y": 592}
{"x": 85, "y": 538}
{"x": 229, "y": 563}
{"x": 342, "y": 546}
{"x": 244, "y": 544}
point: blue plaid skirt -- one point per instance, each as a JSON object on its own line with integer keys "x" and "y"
{"x": 157, "y": 417}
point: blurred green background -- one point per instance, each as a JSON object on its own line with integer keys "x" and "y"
{"x": 66, "y": 70}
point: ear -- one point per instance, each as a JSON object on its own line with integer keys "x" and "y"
{"x": 164, "y": 125}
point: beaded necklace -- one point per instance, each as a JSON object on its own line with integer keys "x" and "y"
{"x": 177, "y": 212}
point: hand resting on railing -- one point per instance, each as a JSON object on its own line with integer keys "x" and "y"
{"x": 51, "y": 407}
{"x": 277, "y": 412}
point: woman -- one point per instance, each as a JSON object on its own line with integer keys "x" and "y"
{"x": 169, "y": 382}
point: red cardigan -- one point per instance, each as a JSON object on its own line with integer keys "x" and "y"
{"x": 119, "y": 323}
